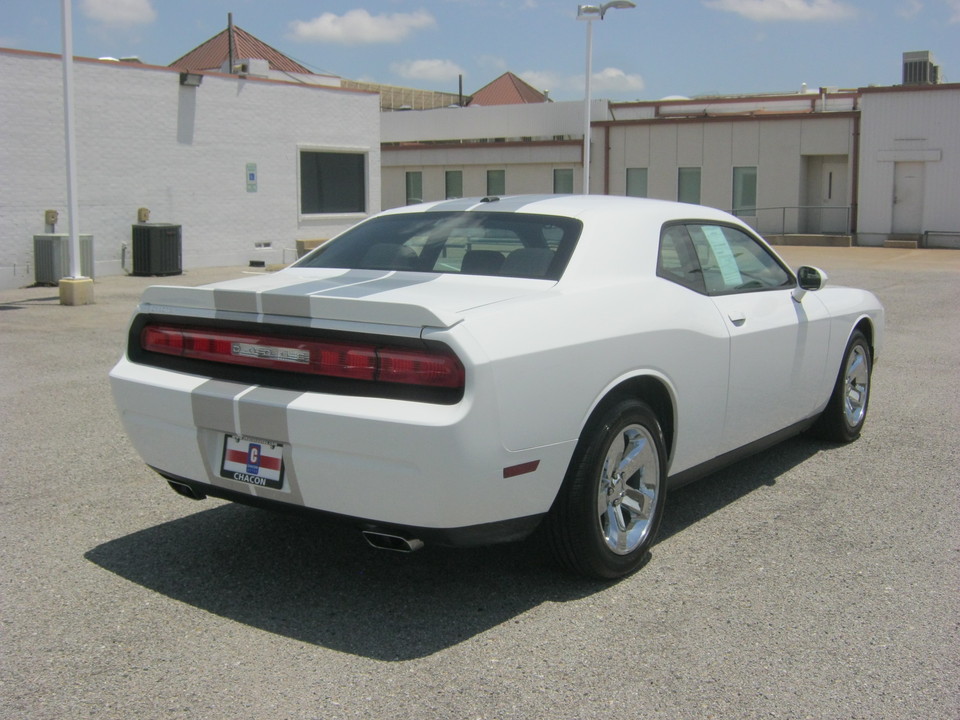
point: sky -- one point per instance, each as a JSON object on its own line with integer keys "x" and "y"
{"x": 660, "y": 48}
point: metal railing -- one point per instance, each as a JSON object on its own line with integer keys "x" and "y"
{"x": 941, "y": 239}
{"x": 799, "y": 219}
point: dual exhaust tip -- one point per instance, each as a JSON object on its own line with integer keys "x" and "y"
{"x": 379, "y": 540}
{"x": 396, "y": 543}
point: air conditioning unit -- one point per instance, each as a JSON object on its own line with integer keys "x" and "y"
{"x": 157, "y": 249}
{"x": 51, "y": 257}
{"x": 253, "y": 67}
{"x": 919, "y": 68}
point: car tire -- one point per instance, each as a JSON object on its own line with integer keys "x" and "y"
{"x": 843, "y": 418}
{"x": 609, "y": 508}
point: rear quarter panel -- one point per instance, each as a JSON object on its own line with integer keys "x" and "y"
{"x": 555, "y": 356}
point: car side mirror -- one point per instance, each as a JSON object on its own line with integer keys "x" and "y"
{"x": 809, "y": 279}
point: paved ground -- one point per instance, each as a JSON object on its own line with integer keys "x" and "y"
{"x": 812, "y": 581}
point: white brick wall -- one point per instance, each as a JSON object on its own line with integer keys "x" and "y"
{"x": 142, "y": 140}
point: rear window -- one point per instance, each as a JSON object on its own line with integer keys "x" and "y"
{"x": 467, "y": 243}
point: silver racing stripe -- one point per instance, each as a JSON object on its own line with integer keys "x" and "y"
{"x": 252, "y": 411}
{"x": 379, "y": 285}
{"x": 507, "y": 204}
{"x": 263, "y": 413}
{"x": 234, "y": 300}
{"x": 212, "y": 404}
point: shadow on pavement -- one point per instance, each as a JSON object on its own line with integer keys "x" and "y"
{"x": 692, "y": 503}
{"x": 321, "y": 584}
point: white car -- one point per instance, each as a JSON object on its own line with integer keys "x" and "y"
{"x": 469, "y": 371}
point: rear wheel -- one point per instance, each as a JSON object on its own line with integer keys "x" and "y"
{"x": 843, "y": 418}
{"x": 609, "y": 508}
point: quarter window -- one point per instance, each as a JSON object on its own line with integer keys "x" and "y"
{"x": 332, "y": 182}
{"x": 677, "y": 261}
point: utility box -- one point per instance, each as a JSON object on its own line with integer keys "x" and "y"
{"x": 51, "y": 257}
{"x": 157, "y": 249}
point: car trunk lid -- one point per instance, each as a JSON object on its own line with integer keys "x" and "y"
{"x": 364, "y": 296}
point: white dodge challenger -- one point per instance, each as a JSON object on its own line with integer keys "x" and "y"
{"x": 469, "y": 371}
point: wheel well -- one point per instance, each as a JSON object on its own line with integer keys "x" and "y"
{"x": 866, "y": 327}
{"x": 650, "y": 390}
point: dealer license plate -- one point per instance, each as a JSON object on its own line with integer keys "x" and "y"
{"x": 253, "y": 461}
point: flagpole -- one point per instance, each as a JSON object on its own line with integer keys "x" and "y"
{"x": 76, "y": 289}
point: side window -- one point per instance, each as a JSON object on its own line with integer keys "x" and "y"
{"x": 732, "y": 261}
{"x": 676, "y": 260}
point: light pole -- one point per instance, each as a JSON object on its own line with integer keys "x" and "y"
{"x": 590, "y": 13}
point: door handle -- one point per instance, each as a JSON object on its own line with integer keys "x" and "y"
{"x": 737, "y": 318}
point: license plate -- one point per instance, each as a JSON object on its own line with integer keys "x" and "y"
{"x": 253, "y": 461}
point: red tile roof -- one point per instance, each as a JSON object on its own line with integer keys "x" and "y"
{"x": 507, "y": 89}
{"x": 212, "y": 54}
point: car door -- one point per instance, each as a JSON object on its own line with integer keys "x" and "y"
{"x": 778, "y": 346}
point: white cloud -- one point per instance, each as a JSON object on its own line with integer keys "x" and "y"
{"x": 607, "y": 81}
{"x": 492, "y": 63}
{"x": 910, "y": 8}
{"x": 359, "y": 27}
{"x": 119, "y": 12}
{"x": 773, "y": 10}
{"x": 954, "y": 6}
{"x": 427, "y": 70}
{"x": 616, "y": 80}
{"x": 548, "y": 81}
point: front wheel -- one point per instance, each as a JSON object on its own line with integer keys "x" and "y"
{"x": 610, "y": 505}
{"x": 843, "y": 418}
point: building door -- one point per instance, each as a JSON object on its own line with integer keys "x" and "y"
{"x": 908, "y": 197}
{"x": 827, "y": 208}
{"x": 834, "y": 213}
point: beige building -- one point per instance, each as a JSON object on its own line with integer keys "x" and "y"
{"x": 874, "y": 164}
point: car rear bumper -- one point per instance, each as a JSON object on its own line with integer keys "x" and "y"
{"x": 385, "y": 463}
{"x": 469, "y": 536}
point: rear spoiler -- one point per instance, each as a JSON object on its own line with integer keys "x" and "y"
{"x": 170, "y": 299}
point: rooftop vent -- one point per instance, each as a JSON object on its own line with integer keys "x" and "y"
{"x": 919, "y": 69}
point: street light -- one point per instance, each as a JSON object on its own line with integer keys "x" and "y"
{"x": 590, "y": 13}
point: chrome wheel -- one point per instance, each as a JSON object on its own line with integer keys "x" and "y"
{"x": 608, "y": 510}
{"x": 628, "y": 489}
{"x": 843, "y": 417}
{"x": 856, "y": 385}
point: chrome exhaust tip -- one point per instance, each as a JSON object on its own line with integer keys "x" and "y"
{"x": 186, "y": 490}
{"x": 396, "y": 543}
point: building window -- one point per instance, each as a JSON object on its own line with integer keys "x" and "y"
{"x": 637, "y": 182}
{"x": 563, "y": 181}
{"x": 745, "y": 191}
{"x": 414, "y": 187}
{"x": 332, "y": 182}
{"x": 688, "y": 185}
{"x": 454, "y": 184}
{"x": 496, "y": 182}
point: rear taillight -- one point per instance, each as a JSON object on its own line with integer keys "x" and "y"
{"x": 436, "y": 368}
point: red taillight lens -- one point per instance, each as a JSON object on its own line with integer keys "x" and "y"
{"x": 413, "y": 367}
{"x": 355, "y": 361}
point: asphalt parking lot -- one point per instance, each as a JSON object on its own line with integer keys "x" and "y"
{"x": 811, "y": 581}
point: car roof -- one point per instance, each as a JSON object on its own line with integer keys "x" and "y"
{"x": 576, "y": 206}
